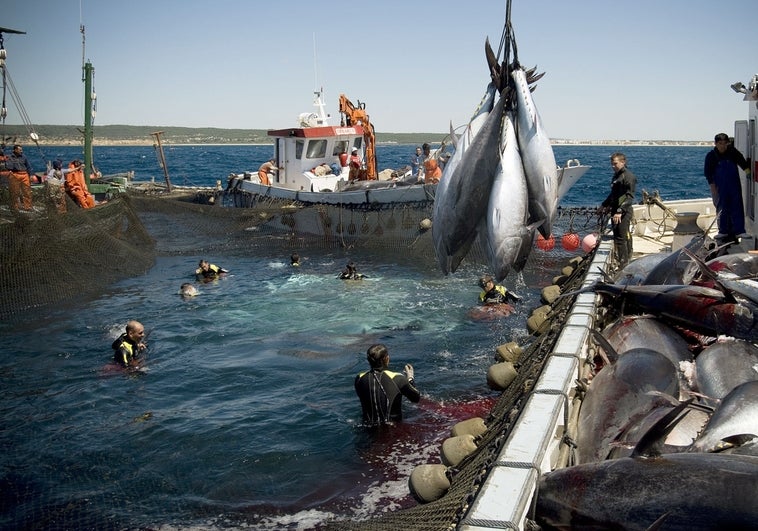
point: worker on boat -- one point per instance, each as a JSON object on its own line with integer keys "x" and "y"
{"x": 267, "y": 170}
{"x": 721, "y": 170}
{"x": 54, "y": 190}
{"x": 76, "y": 187}
{"x": 432, "y": 171}
{"x": 129, "y": 345}
{"x": 417, "y": 159}
{"x": 619, "y": 204}
{"x": 381, "y": 390}
{"x": 351, "y": 272}
{"x": 19, "y": 184}
{"x": 207, "y": 271}
{"x": 355, "y": 166}
{"x": 495, "y": 293}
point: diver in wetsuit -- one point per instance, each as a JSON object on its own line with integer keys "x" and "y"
{"x": 129, "y": 345}
{"x": 381, "y": 390}
{"x": 494, "y": 293}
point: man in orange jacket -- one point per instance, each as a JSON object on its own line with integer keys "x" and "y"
{"x": 76, "y": 187}
{"x": 19, "y": 184}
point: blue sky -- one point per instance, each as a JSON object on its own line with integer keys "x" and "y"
{"x": 647, "y": 69}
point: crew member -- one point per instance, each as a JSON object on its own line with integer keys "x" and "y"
{"x": 432, "y": 171}
{"x": 207, "y": 271}
{"x": 619, "y": 203}
{"x": 19, "y": 185}
{"x": 494, "y": 293}
{"x": 129, "y": 345}
{"x": 381, "y": 390}
{"x": 266, "y": 169}
{"x": 76, "y": 186}
{"x": 355, "y": 166}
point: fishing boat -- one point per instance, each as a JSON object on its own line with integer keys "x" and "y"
{"x": 313, "y": 192}
{"x": 544, "y": 435}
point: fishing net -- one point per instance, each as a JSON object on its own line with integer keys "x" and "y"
{"x": 51, "y": 258}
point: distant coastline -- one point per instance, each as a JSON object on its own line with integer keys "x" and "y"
{"x": 135, "y": 135}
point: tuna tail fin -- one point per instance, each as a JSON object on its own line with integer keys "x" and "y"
{"x": 708, "y": 273}
{"x": 650, "y": 444}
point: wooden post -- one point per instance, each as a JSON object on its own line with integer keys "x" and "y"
{"x": 162, "y": 158}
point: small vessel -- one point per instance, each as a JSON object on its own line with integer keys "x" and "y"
{"x": 313, "y": 191}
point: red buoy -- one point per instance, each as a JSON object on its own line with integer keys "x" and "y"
{"x": 545, "y": 245}
{"x": 570, "y": 241}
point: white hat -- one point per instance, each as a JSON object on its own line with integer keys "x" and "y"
{"x": 355, "y": 149}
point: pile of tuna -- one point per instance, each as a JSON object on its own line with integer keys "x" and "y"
{"x": 668, "y": 427}
{"x": 502, "y": 183}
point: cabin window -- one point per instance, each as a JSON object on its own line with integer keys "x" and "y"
{"x": 299, "y": 144}
{"x": 316, "y": 149}
{"x": 340, "y": 146}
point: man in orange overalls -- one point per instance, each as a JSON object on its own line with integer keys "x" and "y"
{"x": 19, "y": 184}
{"x": 432, "y": 171}
{"x": 76, "y": 187}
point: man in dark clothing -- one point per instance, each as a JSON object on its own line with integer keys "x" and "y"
{"x": 129, "y": 345}
{"x": 381, "y": 390}
{"x": 619, "y": 203}
{"x": 721, "y": 171}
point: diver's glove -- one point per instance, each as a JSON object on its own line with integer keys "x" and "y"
{"x": 408, "y": 370}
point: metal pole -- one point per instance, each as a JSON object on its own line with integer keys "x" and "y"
{"x": 162, "y": 158}
{"x": 88, "y": 123}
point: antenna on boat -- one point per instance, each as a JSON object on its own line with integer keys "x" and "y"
{"x": 318, "y": 93}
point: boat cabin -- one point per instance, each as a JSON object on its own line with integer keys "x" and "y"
{"x": 314, "y": 157}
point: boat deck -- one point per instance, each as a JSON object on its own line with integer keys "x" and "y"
{"x": 535, "y": 446}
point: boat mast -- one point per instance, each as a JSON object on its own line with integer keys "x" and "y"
{"x": 87, "y": 73}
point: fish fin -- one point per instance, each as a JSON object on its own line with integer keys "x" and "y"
{"x": 708, "y": 273}
{"x": 605, "y": 346}
{"x": 493, "y": 64}
{"x": 453, "y": 137}
{"x": 649, "y": 445}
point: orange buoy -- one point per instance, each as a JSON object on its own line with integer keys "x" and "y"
{"x": 570, "y": 241}
{"x": 545, "y": 245}
{"x": 589, "y": 242}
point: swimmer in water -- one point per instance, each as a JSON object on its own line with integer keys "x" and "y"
{"x": 188, "y": 290}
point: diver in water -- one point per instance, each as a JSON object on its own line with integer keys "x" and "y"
{"x": 188, "y": 290}
{"x": 295, "y": 260}
{"x": 129, "y": 345}
{"x": 381, "y": 390}
{"x": 494, "y": 293}
{"x": 207, "y": 271}
{"x": 351, "y": 272}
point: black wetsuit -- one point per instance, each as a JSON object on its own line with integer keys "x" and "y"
{"x": 621, "y": 201}
{"x": 381, "y": 392}
{"x": 125, "y": 350}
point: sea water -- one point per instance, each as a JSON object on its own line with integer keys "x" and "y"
{"x": 244, "y": 413}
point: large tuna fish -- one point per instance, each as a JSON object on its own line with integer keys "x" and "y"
{"x": 733, "y": 422}
{"x": 723, "y": 366}
{"x": 684, "y": 491}
{"x": 704, "y": 310}
{"x": 509, "y": 239}
{"x": 640, "y": 381}
{"x": 458, "y": 213}
{"x": 537, "y": 156}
